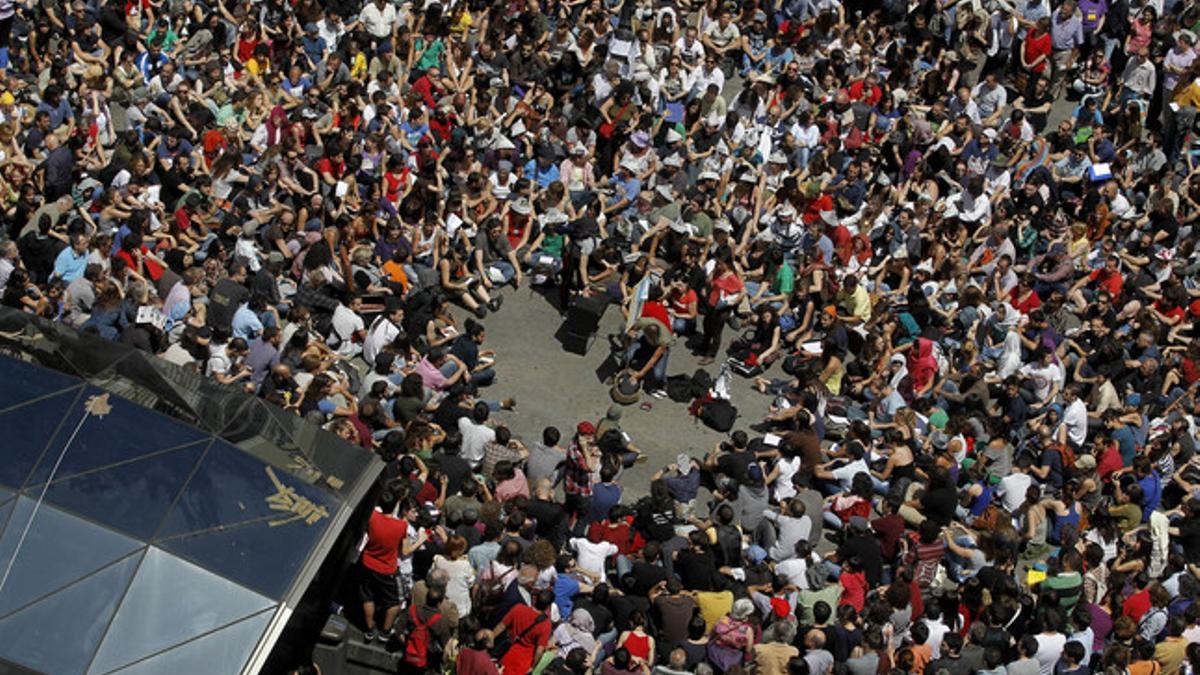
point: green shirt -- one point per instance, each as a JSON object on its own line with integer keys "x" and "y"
{"x": 785, "y": 279}
{"x": 1068, "y": 587}
{"x": 703, "y": 224}
{"x": 1128, "y": 516}
{"x": 552, "y": 242}
{"x": 432, "y": 56}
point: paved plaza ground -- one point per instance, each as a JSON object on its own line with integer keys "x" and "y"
{"x": 555, "y": 387}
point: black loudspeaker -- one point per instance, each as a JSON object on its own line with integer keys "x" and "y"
{"x": 578, "y": 330}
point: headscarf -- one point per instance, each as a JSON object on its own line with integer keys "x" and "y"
{"x": 922, "y": 365}
{"x": 577, "y": 631}
{"x": 277, "y": 125}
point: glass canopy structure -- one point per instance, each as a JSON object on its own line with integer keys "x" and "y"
{"x": 151, "y": 520}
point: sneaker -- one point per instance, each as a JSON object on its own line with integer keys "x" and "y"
{"x": 370, "y": 636}
{"x": 495, "y": 303}
{"x": 641, "y": 459}
{"x": 658, "y": 393}
{"x": 509, "y": 403}
{"x": 480, "y": 312}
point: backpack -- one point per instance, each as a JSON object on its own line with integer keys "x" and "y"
{"x": 489, "y": 591}
{"x": 702, "y": 381}
{"x": 718, "y": 414}
{"x": 1068, "y": 460}
{"x": 679, "y": 388}
{"x": 421, "y": 650}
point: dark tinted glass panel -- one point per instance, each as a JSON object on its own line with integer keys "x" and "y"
{"x": 247, "y": 521}
{"x": 126, "y": 432}
{"x": 133, "y": 496}
{"x": 26, "y": 432}
{"x": 25, "y": 381}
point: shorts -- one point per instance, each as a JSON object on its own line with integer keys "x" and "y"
{"x": 381, "y": 589}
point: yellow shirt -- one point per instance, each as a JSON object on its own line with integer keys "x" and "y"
{"x": 856, "y": 303}
{"x": 358, "y": 66}
{"x": 1190, "y": 96}
{"x": 714, "y": 606}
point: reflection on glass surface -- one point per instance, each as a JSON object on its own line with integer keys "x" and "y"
{"x": 171, "y": 601}
{"x": 58, "y": 549}
{"x": 59, "y": 634}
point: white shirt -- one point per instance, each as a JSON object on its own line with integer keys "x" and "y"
{"x": 1012, "y": 490}
{"x": 845, "y": 474}
{"x": 1050, "y": 649}
{"x": 937, "y": 631}
{"x": 378, "y": 23}
{"x": 474, "y": 438}
{"x": 345, "y": 323}
{"x": 1076, "y": 420}
{"x": 591, "y": 557}
{"x": 383, "y": 331}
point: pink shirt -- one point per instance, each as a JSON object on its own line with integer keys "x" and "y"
{"x": 431, "y": 377}
{"x": 516, "y": 486}
{"x": 1139, "y": 36}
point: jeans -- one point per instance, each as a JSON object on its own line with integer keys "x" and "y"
{"x": 658, "y": 374}
{"x": 481, "y": 379}
{"x": 505, "y": 269}
{"x": 683, "y": 326}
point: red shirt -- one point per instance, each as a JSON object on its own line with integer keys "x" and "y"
{"x": 657, "y": 311}
{"x": 475, "y": 662}
{"x": 859, "y": 91}
{"x": 726, "y": 285}
{"x": 520, "y": 624}
{"x": 152, "y": 268}
{"x": 1110, "y": 461}
{"x": 1109, "y": 282}
{"x": 620, "y": 535}
{"x": 1024, "y": 306}
{"x": 384, "y": 534}
{"x": 854, "y": 590}
{"x": 516, "y": 228}
{"x": 682, "y": 304}
{"x": 1136, "y": 605}
{"x": 1035, "y": 46}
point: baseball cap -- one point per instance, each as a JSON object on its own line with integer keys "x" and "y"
{"x": 586, "y": 428}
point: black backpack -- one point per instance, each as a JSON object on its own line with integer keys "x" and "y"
{"x": 679, "y": 388}
{"x": 701, "y": 383}
{"x": 718, "y": 414}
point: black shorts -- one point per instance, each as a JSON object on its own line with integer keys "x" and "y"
{"x": 381, "y": 589}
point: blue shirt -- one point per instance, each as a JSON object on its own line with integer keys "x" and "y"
{"x": 1125, "y": 444}
{"x": 68, "y": 266}
{"x": 246, "y": 324}
{"x": 1151, "y": 494}
{"x": 149, "y": 65}
{"x": 629, "y": 189}
{"x": 604, "y": 497}
{"x": 58, "y": 115}
{"x": 565, "y": 590}
{"x": 543, "y": 177}
{"x": 297, "y": 88}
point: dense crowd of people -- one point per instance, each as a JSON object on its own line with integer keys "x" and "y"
{"x": 952, "y": 242}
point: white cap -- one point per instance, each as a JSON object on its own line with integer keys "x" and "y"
{"x": 674, "y": 136}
